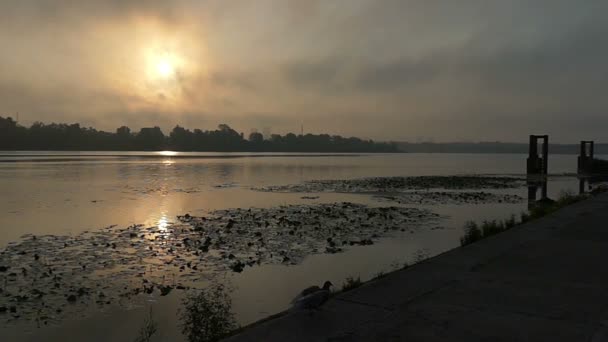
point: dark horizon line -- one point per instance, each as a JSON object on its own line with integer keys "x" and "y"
{"x": 70, "y": 137}
{"x": 397, "y": 141}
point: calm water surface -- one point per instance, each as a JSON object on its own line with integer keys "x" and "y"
{"x": 63, "y": 193}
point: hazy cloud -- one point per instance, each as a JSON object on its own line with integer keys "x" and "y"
{"x": 390, "y": 69}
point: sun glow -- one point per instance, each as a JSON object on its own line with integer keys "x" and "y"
{"x": 164, "y": 68}
{"x": 164, "y": 63}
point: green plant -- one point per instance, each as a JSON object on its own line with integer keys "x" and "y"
{"x": 472, "y": 233}
{"x": 148, "y": 329}
{"x": 206, "y": 315}
{"x": 379, "y": 275}
{"x": 510, "y": 222}
{"x": 546, "y": 207}
{"x": 567, "y": 198}
{"x": 351, "y": 283}
{"x": 489, "y": 228}
{"x": 475, "y": 232}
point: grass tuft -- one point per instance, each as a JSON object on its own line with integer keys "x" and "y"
{"x": 148, "y": 329}
{"x": 351, "y": 283}
{"x": 474, "y": 232}
{"x": 379, "y": 275}
{"x": 206, "y": 315}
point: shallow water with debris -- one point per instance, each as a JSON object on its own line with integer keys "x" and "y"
{"x": 89, "y": 242}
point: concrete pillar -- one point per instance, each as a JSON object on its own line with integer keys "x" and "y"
{"x": 533, "y": 161}
{"x": 582, "y": 154}
{"x": 533, "y": 147}
{"x": 545, "y": 154}
{"x": 538, "y": 165}
{"x": 586, "y": 156}
{"x": 532, "y": 189}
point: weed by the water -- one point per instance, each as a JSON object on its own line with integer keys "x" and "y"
{"x": 379, "y": 275}
{"x": 491, "y": 227}
{"x": 206, "y": 315}
{"x": 510, "y": 222}
{"x": 351, "y": 283}
{"x": 474, "y": 232}
{"x": 567, "y": 198}
{"x": 147, "y": 330}
{"x": 548, "y": 206}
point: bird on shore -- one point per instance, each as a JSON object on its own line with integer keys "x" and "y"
{"x": 312, "y": 297}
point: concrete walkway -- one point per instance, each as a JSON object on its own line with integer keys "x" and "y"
{"x": 543, "y": 281}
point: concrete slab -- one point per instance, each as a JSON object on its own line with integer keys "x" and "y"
{"x": 431, "y": 321}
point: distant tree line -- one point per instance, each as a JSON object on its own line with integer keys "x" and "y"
{"x": 40, "y": 136}
{"x": 490, "y": 147}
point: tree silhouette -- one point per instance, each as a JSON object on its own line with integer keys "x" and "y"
{"x": 40, "y": 136}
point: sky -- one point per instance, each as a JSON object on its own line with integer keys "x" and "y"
{"x": 405, "y": 70}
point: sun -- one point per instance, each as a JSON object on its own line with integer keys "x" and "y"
{"x": 164, "y": 68}
{"x": 162, "y": 65}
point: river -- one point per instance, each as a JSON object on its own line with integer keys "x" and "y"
{"x": 70, "y": 193}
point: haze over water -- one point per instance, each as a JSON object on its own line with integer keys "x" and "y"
{"x": 78, "y": 193}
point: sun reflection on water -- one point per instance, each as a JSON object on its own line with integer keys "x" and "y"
{"x": 163, "y": 224}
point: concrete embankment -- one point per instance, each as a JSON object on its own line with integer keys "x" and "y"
{"x": 541, "y": 281}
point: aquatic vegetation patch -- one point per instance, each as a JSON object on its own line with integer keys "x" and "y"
{"x": 397, "y": 184}
{"x": 287, "y": 234}
{"x": 44, "y": 279}
{"x": 450, "y": 197}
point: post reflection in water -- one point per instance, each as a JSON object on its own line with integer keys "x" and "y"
{"x": 534, "y": 183}
{"x": 582, "y": 181}
{"x": 588, "y": 183}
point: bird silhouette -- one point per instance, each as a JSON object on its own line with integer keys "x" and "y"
{"x": 312, "y": 297}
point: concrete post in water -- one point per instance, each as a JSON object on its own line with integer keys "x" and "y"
{"x": 581, "y": 158}
{"x": 581, "y": 185}
{"x": 538, "y": 165}
{"x": 585, "y": 160}
{"x": 532, "y": 156}
{"x": 545, "y": 159}
{"x": 532, "y": 189}
{"x": 543, "y": 189}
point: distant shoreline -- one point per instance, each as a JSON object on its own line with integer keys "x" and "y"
{"x": 447, "y": 148}
{"x": 491, "y": 147}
